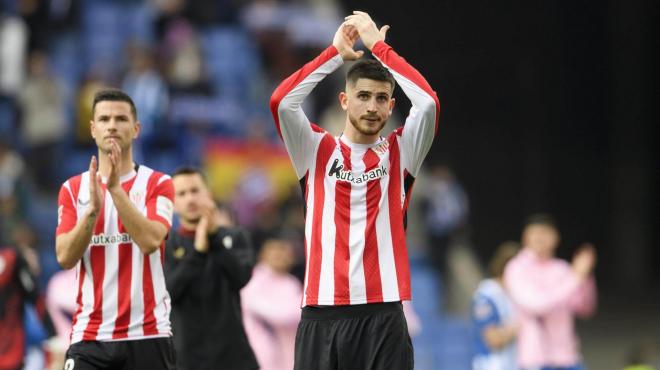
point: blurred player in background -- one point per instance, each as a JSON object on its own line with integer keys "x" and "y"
{"x": 208, "y": 261}
{"x": 356, "y": 188}
{"x": 112, "y": 223}
{"x": 548, "y": 293}
{"x": 494, "y": 318}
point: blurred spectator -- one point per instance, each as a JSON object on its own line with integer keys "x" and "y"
{"x": 60, "y": 303}
{"x": 412, "y": 320}
{"x": 93, "y": 82}
{"x": 208, "y": 260}
{"x": 149, "y": 92}
{"x": 641, "y": 357}
{"x": 271, "y": 306}
{"x": 494, "y": 318}
{"x": 446, "y": 208}
{"x": 13, "y": 49}
{"x": 185, "y": 71}
{"x": 44, "y": 125}
{"x": 13, "y": 197}
{"x": 25, "y": 239}
{"x": 548, "y": 293}
{"x": 17, "y": 287}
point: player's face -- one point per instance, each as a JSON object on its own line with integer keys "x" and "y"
{"x": 543, "y": 239}
{"x": 190, "y": 193}
{"x": 369, "y": 104}
{"x": 114, "y": 121}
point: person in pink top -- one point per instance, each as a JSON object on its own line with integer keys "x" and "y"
{"x": 61, "y": 305}
{"x": 548, "y": 293}
{"x": 271, "y": 306}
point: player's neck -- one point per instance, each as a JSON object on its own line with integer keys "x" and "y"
{"x": 356, "y": 137}
{"x": 125, "y": 167}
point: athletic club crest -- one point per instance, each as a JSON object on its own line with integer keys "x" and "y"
{"x": 137, "y": 197}
{"x": 382, "y": 148}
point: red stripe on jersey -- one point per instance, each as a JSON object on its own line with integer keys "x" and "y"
{"x": 154, "y": 190}
{"x": 74, "y": 184}
{"x": 396, "y": 222}
{"x": 123, "y": 290}
{"x": 292, "y": 81}
{"x": 390, "y": 58}
{"x": 97, "y": 258}
{"x": 66, "y": 199}
{"x": 323, "y": 154}
{"x": 370, "y": 262}
{"x": 149, "y": 323}
{"x": 342, "y": 231}
{"x": 81, "y": 279}
{"x": 124, "y": 276}
{"x": 97, "y": 263}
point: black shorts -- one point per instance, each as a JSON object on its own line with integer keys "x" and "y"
{"x": 152, "y": 353}
{"x": 361, "y": 337}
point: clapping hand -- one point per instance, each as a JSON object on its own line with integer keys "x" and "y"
{"x": 366, "y": 28}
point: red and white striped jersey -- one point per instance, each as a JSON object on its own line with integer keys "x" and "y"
{"x": 356, "y": 194}
{"x": 121, "y": 291}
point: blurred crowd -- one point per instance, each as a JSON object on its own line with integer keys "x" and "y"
{"x": 197, "y": 70}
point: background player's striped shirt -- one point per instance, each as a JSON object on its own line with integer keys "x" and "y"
{"x": 356, "y": 195}
{"x": 121, "y": 291}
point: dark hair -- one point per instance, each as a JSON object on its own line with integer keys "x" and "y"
{"x": 542, "y": 219}
{"x": 503, "y": 254}
{"x": 113, "y": 95}
{"x": 370, "y": 69}
{"x": 189, "y": 170}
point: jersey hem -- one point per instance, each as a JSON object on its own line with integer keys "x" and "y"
{"x": 361, "y": 300}
{"x": 141, "y": 337}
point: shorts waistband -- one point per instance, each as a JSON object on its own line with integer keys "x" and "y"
{"x": 349, "y": 311}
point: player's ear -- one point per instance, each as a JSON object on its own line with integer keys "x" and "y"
{"x": 91, "y": 128}
{"x": 392, "y": 101}
{"x": 343, "y": 100}
{"x": 137, "y": 129}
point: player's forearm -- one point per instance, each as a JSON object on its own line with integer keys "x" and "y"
{"x": 413, "y": 84}
{"x": 498, "y": 337}
{"x": 290, "y": 94}
{"x": 147, "y": 234}
{"x": 540, "y": 301}
{"x": 70, "y": 246}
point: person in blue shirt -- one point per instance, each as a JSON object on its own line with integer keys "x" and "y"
{"x": 493, "y": 316}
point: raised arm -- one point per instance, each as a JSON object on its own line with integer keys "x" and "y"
{"x": 292, "y": 124}
{"x": 536, "y": 298}
{"x": 149, "y": 231}
{"x": 73, "y": 233}
{"x": 422, "y": 122}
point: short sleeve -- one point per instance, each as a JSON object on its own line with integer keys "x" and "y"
{"x": 66, "y": 211}
{"x": 484, "y": 313}
{"x": 160, "y": 205}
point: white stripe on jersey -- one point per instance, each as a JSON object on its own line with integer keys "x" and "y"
{"x": 356, "y": 242}
{"x": 385, "y": 247}
{"x": 111, "y": 278}
{"x": 326, "y": 292}
{"x": 136, "y": 328}
{"x": 88, "y": 285}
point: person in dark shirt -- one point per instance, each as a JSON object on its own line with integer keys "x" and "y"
{"x": 17, "y": 286}
{"x": 207, "y": 262}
